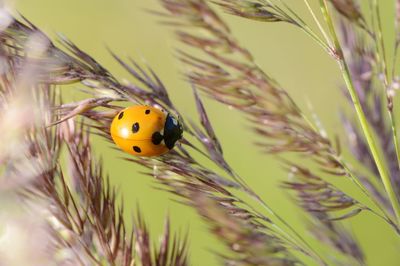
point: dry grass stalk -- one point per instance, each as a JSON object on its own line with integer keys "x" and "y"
{"x": 76, "y": 214}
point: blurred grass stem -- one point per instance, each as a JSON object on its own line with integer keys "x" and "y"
{"x": 386, "y": 79}
{"x": 381, "y": 44}
{"x": 360, "y": 114}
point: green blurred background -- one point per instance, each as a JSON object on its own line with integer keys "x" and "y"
{"x": 285, "y": 53}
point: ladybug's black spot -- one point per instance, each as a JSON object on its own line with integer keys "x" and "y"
{"x": 120, "y": 115}
{"x": 137, "y": 149}
{"x": 156, "y": 138}
{"x": 147, "y": 112}
{"x": 135, "y": 127}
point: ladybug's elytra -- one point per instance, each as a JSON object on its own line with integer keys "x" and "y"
{"x": 145, "y": 131}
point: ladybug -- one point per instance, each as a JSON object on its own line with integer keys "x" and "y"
{"x": 145, "y": 131}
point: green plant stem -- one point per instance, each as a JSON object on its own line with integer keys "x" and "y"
{"x": 360, "y": 114}
{"x": 315, "y": 37}
{"x": 357, "y": 182}
{"x": 386, "y": 217}
{"x": 370, "y": 139}
{"x": 371, "y": 142}
{"x": 305, "y": 28}
{"x": 317, "y": 22}
{"x": 395, "y": 139}
{"x": 349, "y": 172}
{"x": 380, "y": 43}
{"x": 312, "y": 252}
{"x": 385, "y": 70}
{"x": 302, "y": 242}
{"x": 395, "y": 54}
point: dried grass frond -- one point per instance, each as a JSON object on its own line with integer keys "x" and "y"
{"x": 76, "y": 215}
{"x": 240, "y": 83}
{"x": 326, "y": 204}
{"x": 256, "y": 10}
{"x": 83, "y": 218}
{"x": 362, "y": 64}
{"x": 78, "y": 66}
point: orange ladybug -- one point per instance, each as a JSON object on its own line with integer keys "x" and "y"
{"x": 145, "y": 131}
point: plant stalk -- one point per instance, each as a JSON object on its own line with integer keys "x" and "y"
{"x": 370, "y": 140}
{"x": 385, "y": 70}
{"x": 360, "y": 114}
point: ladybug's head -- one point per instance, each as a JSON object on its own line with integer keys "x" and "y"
{"x": 173, "y": 131}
